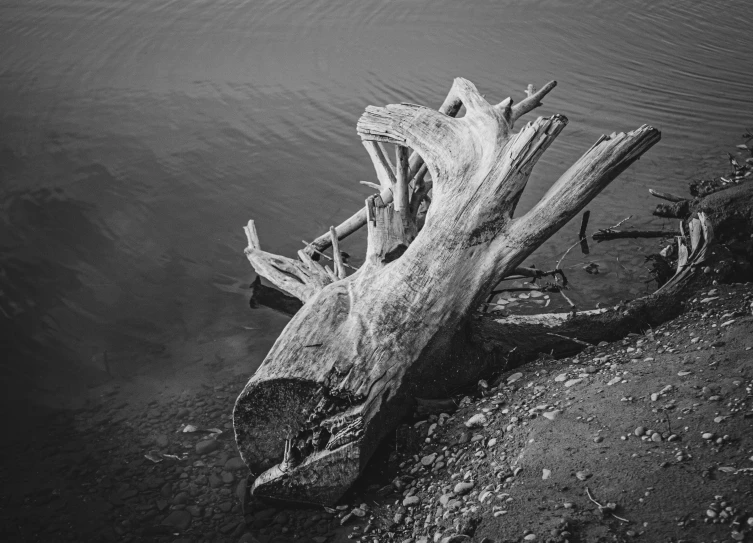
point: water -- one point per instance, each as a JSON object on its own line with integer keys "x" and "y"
{"x": 139, "y": 137}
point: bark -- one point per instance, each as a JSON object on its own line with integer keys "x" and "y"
{"x": 345, "y": 369}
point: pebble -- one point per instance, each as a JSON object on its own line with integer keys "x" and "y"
{"x": 207, "y": 446}
{"x": 234, "y": 464}
{"x": 428, "y": 460}
{"x": 479, "y": 419}
{"x": 572, "y": 382}
{"x": 410, "y": 501}
{"x": 551, "y": 415}
{"x": 514, "y": 377}
{"x": 180, "y": 519}
{"x": 561, "y": 377}
{"x": 463, "y": 488}
{"x": 530, "y": 537}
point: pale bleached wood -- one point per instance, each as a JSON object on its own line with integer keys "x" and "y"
{"x": 666, "y": 196}
{"x": 302, "y": 279}
{"x": 450, "y": 107}
{"x": 400, "y": 195}
{"x": 383, "y": 169}
{"x": 371, "y": 185}
{"x": 344, "y": 370}
{"x": 336, "y": 255}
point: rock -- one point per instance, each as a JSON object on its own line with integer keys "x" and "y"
{"x": 656, "y": 436}
{"x": 195, "y": 510}
{"x": 582, "y": 475}
{"x": 428, "y": 460}
{"x": 640, "y": 431}
{"x": 411, "y": 501}
{"x": 463, "y": 488}
{"x": 181, "y": 498}
{"x": 551, "y": 415}
{"x": 479, "y": 419}
{"x": 248, "y": 538}
{"x": 162, "y": 441}
{"x": 654, "y": 396}
{"x": 561, "y": 377}
{"x": 179, "y": 519}
{"x": 445, "y": 498}
{"x": 455, "y": 538}
{"x": 546, "y": 473}
{"x": 614, "y": 381}
{"x": 229, "y": 527}
{"x": 514, "y": 377}
{"x": 485, "y": 495}
{"x": 572, "y": 382}
{"x": 207, "y": 446}
{"x": 240, "y": 490}
{"x": 707, "y": 435}
{"x": 227, "y": 477}
{"x": 598, "y": 439}
{"x": 214, "y": 481}
{"x": 235, "y": 464}
{"x": 530, "y": 537}
{"x": 684, "y": 373}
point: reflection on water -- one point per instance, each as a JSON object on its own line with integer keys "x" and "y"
{"x": 138, "y": 137}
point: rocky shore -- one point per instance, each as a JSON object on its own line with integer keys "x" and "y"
{"x": 645, "y": 439}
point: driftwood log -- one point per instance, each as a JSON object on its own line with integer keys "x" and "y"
{"x": 345, "y": 369}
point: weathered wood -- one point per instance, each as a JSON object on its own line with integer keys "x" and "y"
{"x": 338, "y": 257}
{"x": 666, "y": 196}
{"x": 400, "y": 195}
{"x": 382, "y": 167}
{"x": 606, "y": 235}
{"x": 344, "y": 370}
{"x": 450, "y": 107}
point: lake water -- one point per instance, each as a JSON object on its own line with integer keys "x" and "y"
{"x": 138, "y": 137}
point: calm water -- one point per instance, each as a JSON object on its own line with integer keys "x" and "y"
{"x": 138, "y": 137}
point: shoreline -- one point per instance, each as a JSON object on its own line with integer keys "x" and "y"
{"x": 88, "y": 478}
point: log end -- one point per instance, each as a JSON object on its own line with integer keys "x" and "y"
{"x": 321, "y": 479}
{"x": 268, "y": 413}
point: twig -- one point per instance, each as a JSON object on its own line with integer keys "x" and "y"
{"x": 308, "y": 246}
{"x": 666, "y": 196}
{"x": 603, "y": 508}
{"x": 578, "y": 341}
{"x": 568, "y": 299}
{"x": 559, "y": 262}
{"x": 584, "y": 224}
{"x": 609, "y": 234}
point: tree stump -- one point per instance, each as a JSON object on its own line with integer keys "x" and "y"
{"x": 345, "y": 369}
